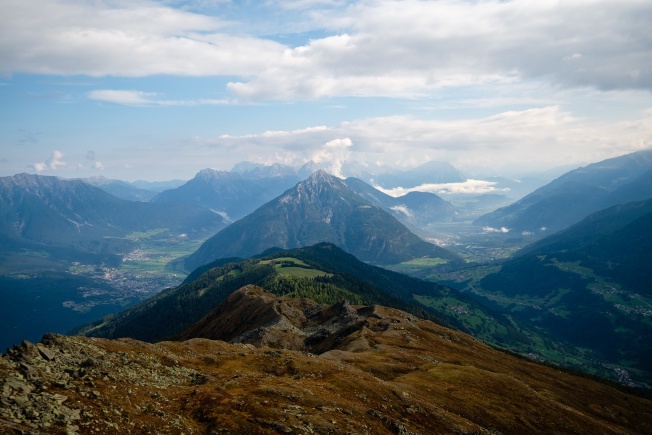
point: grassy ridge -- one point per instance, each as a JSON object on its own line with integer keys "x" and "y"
{"x": 323, "y": 273}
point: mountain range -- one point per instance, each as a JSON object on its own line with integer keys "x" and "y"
{"x": 248, "y": 185}
{"x": 576, "y": 194}
{"x": 285, "y": 323}
{"x": 320, "y": 209}
{"x": 48, "y": 211}
{"x": 294, "y": 365}
{"x": 577, "y": 297}
{"x": 121, "y": 189}
{"x": 432, "y": 172}
{"x": 228, "y": 193}
{"x": 417, "y": 209}
{"x": 587, "y": 286}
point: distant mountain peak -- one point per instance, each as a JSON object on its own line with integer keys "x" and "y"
{"x": 209, "y": 173}
{"x": 320, "y": 173}
{"x": 259, "y": 170}
{"x": 322, "y": 189}
{"x": 321, "y": 208}
{"x": 323, "y": 177}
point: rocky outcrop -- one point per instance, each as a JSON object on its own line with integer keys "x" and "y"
{"x": 53, "y": 385}
{"x": 382, "y": 371}
{"x": 251, "y": 315}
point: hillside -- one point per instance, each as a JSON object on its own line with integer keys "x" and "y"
{"x": 418, "y": 209}
{"x": 320, "y": 209}
{"x": 587, "y": 286}
{"x": 71, "y": 253}
{"x": 323, "y": 273}
{"x": 232, "y": 194}
{"x": 615, "y": 243}
{"x": 52, "y": 212}
{"x": 121, "y": 189}
{"x": 576, "y": 194}
{"x": 432, "y": 172}
{"x": 371, "y": 370}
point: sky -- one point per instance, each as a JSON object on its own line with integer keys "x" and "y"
{"x": 158, "y": 90}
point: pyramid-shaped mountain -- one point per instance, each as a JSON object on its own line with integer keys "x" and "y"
{"x": 320, "y": 209}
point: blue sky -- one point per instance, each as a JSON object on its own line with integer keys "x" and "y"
{"x": 162, "y": 89}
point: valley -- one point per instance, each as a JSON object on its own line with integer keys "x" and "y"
{"x": 44, "y": 290}
{"x": 517, "y": 290}
{"x": 623, "y": 318}
{"x": 325, "y": 217}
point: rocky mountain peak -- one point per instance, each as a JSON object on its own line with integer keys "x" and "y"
{"x": 323, "y": 176}
{"x": 321, "y": 184}
{"x": 258, "y": 170}
{"x": 321, "y": 208}
{"x": 213, "y": 174}
{"x": 320, "y": 189}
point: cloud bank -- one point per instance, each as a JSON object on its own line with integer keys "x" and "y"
{"x": 368, "y": 48}
{"x": 531, "y": 138}
{"x": 466, "y": 187}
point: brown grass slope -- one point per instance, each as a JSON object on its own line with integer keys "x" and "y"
{"x": 381, "y": 371}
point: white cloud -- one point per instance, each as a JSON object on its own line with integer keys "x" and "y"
{"x": 377, "y": 47}
{"x": 332, "y": 155}
{"x": 339, "y": 143}
{"x": 402, "y": 209}
{"x": 410, "y": 47}
{"x": 54, "y": 162}
{"x": 139, "y": 38}
{"x": 98, "y": 165}
{"x": 531, "y": 139}
{"x": 467, "y": 187}
{"x": 224, "y": 215}
{"x": 127, "y": 98}
{"x": 502, "y": 230}
{"x": 40, "y": 167}
{"x": 146, "y": 99}
{"x": 306, "y": 4}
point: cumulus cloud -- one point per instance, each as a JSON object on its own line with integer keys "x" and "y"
{"x": 371, "y": 48}
{"x": 332, "y": 155}
{"x": 98, "y": 165}
{"x": 123, "y": 38}
{"x": 411, "y": 47}
{"x": 54, "y": 162}
{"x": 533, "y": 138}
